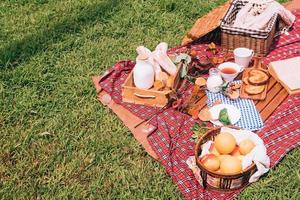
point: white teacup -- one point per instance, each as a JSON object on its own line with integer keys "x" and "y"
{"x": 243, "y": 56}
{"x": 230, "y": 70}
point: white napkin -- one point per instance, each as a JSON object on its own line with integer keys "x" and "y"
{"x": 258, "y": 155}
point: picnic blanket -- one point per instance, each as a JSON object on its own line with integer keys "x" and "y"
{"x": 171, "y": 139}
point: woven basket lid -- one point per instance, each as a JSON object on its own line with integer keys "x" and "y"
{"x": 206, "y": 24}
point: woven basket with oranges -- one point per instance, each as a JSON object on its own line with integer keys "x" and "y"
{"x": 221, "y": 168}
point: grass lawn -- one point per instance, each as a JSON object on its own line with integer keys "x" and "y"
{"x": 56, "y": 140}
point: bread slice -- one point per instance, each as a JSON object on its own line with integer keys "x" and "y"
{"x": 254, "y": 72}
{"x": 258, "y": 77}
{"x": 245, "y": 80}
{"x": 253, "y": 89}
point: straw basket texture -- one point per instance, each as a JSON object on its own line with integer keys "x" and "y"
{"x": 233, "y": 37}
{"x": 207, "y": 24}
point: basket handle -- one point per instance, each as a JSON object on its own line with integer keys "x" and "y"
{"x": 144, "y": 96}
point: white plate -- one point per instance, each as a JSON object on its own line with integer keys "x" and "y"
{"x": 234, "y": 113}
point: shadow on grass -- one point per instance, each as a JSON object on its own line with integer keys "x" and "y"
{"x": 17, "y": 52}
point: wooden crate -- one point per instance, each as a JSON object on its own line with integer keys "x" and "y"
{"x": 149, "y": 97}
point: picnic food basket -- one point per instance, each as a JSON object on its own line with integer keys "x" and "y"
{"x": 215, "y": 180}
{"x": 233, "y": 37}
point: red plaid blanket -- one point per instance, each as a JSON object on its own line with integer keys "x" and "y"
{"x": 172, "y": 141}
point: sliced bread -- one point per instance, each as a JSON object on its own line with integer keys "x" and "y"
{"x": 253, "y": 89}
{"x": 258, "y": 77}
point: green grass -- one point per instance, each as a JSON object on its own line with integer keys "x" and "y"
{"x": 56, "y": 140}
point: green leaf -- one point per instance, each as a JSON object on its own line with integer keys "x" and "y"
{"x": 195, "y": 127}
{"x": 191, "y": 79}
{"x": 223, "y": 117}
{"x": 199, "y": 130}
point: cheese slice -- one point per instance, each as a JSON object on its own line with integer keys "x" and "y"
{"x": 287, "y": 72}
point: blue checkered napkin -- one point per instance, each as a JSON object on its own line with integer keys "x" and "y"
{"x": 250, "y": 117}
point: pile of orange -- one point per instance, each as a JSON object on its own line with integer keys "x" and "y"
{"x": 225, "y": 156}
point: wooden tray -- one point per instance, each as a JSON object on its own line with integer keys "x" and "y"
{"x": 276, "y": 94}
{"x": 243, "y": 93}
{"x": 150, "y": 97}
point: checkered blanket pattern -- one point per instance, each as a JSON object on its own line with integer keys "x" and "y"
{"x": 250, "y": 117}
{"x": 172, "y": 139}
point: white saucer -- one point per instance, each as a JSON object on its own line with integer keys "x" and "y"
{"x": 234, "y": 113}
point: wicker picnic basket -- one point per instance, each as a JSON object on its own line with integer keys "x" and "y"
{"x": 215, "y": 180}
{"x": 233, "y": 37}
{"x": 207, "y": 27}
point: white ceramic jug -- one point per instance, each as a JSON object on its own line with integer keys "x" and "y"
{"x": 143, "y": 74}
